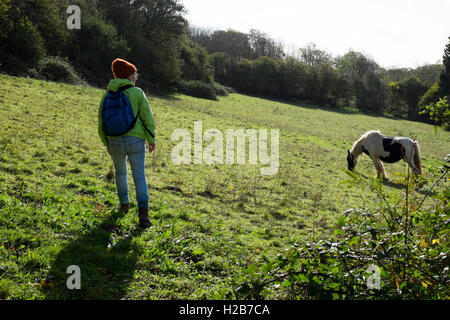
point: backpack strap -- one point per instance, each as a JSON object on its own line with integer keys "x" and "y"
{"x": 143, "y": 124}
{"x": 122, "y": 88}
{"x": 146, "y": 128}
{"x": 126, "y": 87}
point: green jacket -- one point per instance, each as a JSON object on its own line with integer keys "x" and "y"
{"x": 139, "y": 103}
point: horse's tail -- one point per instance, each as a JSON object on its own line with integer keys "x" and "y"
{"x": 416, "y": 159}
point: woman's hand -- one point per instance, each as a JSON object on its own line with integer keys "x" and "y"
{"x": 151, "y": 147}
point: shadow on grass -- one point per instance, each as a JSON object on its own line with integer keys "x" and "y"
{"x": 393, "y": 184}
{"x": 105, "y": 270}
{"x": 399, "y": 185}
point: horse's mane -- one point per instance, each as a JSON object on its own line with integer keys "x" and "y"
{"x": 357, "y": 146}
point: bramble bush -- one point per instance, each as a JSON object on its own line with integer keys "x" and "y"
{"x": 405, "y": 239}
{"x": 439, "y": 112}
{"x": 56, "y": 69}
{"x": 203, "y": 90}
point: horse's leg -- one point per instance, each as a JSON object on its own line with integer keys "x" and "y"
{"x": 383, "y": 170}
{"x": 377, "y": 166}
{"x": 380, "y": 168}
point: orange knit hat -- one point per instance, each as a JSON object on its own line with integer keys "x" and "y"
{"x": 122, "y": 69}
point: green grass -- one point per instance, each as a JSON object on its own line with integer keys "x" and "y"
{"x": 58, "y": 205}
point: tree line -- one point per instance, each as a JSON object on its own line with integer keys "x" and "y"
{"x": 150, "y": 33}
{"x": 171, "y": 55}
{"x": 353, "y": 80}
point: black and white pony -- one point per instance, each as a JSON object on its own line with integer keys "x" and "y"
{"x": 381, "y": 148}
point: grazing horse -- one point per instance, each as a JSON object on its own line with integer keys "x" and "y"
{"x": 381, "y": 148}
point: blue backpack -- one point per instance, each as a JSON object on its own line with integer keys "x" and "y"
{"x": 117, "y": 114}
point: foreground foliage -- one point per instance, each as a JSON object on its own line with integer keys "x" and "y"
{"x": 406, "y": 243}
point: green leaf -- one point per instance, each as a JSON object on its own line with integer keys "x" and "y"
{"x": 267, "y": 267}
{"x": 433, "y": 252}
{"x": 286, "y": 283}
{"x": 301, "y": 278}
{"x": 251, "y": 269}
{"x": 333, "y": 285}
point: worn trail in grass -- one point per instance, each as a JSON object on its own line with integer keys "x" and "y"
{"x": 58, "y": 202}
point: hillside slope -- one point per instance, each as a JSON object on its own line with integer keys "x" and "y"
{"x": 58, "y": 202}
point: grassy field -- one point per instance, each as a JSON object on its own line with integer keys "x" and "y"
{"x": 58, "y": 205}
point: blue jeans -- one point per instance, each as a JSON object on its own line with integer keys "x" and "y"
{"x": 134, "y": 148}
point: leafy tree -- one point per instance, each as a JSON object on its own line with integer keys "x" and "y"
{"x": 221, "y": 63}
{"x": 292, "y": 78}
{"x": 444, "y": 80}
{"x": 47, "y": 17}
{"x": 154, "y": 31}
{"x": 431, "y": 95}
{"x": 396, "y": 106}
{"x": 313, "y": 57}
{"x": 355, "y": 65}
{"x": 266, "y": 72}
{"x": 196, "y": 65}
{"x": 428, "y": 74}
{"x": 439, "y": 112}
{"x": 330, "y": 85}
{"x": 410, "y": 91}
{"x": 94, "y": 47}
{"x": 363, "y": 75}
{"x": 241, "y": 76}
{"x": 21, "y": 44}
{"x": 263, "y": 46}
{"x": 237, "y": 44}
{"x": 320, "y": 75}
{"x": 370, "y": 93}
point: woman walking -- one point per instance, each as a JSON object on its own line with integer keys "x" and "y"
{"x": 124, "y": 138}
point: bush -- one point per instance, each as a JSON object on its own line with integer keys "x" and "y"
{"x": 197, "y": 89}
{"x": 229, "y": 89}
{"x": 219, "y": 89}
{"x": 406, "y": 243}
{"x": 56, "y": 69}
{"x": 432, "y": 95}
{"x": 439, "y": 112}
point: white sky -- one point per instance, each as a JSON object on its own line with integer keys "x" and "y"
{"x": 395, "y": 33}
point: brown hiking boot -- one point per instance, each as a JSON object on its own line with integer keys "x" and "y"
{"x": 144, "y": 221}
{"x": 124, "y": 207}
